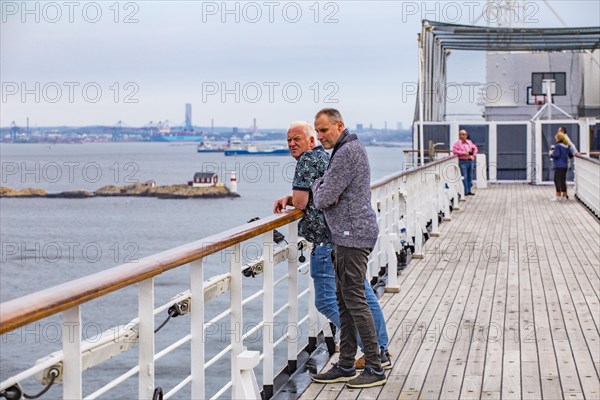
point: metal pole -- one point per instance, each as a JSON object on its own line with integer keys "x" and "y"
{"x": 549, "y": 97}
{"x": 421, "y": 100}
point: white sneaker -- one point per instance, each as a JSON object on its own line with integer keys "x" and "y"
{"x": 556, "y": 198}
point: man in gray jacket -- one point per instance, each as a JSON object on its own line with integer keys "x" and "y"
{"x": 344, "y": 196}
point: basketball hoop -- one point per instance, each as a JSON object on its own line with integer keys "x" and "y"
{"x": 544, "y": 86}
{"x": 539, "y": 100}
{"x": 535, "y": 100}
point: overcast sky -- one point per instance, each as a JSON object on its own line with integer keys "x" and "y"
{"x": 85, "y": 63}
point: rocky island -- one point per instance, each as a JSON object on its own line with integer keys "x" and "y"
{"x": 138, "y": 189}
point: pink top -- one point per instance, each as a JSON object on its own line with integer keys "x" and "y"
{"x": 462, "y": 149}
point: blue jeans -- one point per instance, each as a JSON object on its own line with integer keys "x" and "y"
{"x": 466, "y": 170}
{"x": 322, "y": 272}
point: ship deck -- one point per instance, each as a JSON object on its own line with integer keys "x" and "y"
{"x": 505, "y": 305}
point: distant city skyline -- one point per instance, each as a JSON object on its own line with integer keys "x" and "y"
{"x": 96, "y": 63}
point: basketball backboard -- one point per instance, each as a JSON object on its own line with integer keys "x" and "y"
{"x": 559, "y": 88}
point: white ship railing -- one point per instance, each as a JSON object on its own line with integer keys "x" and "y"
{"x": 517, "y": 150}
{"x": 410, "y": 206}
{"x": 587, "y": 182}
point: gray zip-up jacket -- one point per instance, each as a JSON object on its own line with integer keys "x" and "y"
{"x": 344, "y": 195}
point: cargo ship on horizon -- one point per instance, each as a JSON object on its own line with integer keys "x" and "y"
{"x": 187, "y": 133}
{"x": 236, "y": 147}
{"x": 189, "y": 137}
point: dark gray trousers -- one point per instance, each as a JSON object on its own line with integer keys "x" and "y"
{"x": 350, "y": 266}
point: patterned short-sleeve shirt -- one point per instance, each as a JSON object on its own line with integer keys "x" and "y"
{"x": 311, "y": 165}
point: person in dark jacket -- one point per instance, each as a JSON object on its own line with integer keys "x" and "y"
{"x": 560, "y": 154}
{"x": 344, "y": 196}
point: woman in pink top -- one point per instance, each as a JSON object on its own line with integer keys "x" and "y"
{"x": 466, "y": 152}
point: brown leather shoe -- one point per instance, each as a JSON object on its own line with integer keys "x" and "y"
{"x": 386, "y": 362}
{"x": 360, "y": 363}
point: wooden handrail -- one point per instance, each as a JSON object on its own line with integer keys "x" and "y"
{"x": 44, "y": 303}
{"x": 588, "y": 158}
{"x": 389, "y": 178}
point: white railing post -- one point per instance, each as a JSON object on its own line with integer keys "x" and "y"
{"x": 481, "y": 165}
{"x": 454, "y": 128}
{"x": 197, "y": 329}
{"x": 388, "y": 223}
{"x": 434, "y": 188}
{"x": 530, "y": 160}
{"x": 292, "y": 328}
{"x": 268, "y": 306}
{"x": 246, "y": 361}
{"x": 313, "y": 317}
{"x": 409, "y": 216}
{"x": 146, "y": 339}
{"x": 402, "y": 215}
{"x": 584, "y": 137}
{"x": 380, "y": 202}
{"x": 235, "y": 292}
{"x": 395, "y": 204}
{"x": 71, "y": 339}
{"x": 418, "y": 235}
{"x": 416, "y": 204}
{"x": 375, "y": 257}
{"x": 444, "y": 193}
{"x": 392, "y": 283}
{"x": 493, "y": 150}
{"x": 577, "y": 181}
{"x": 537, "y": 153}
{"x": 459, "y": 187}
